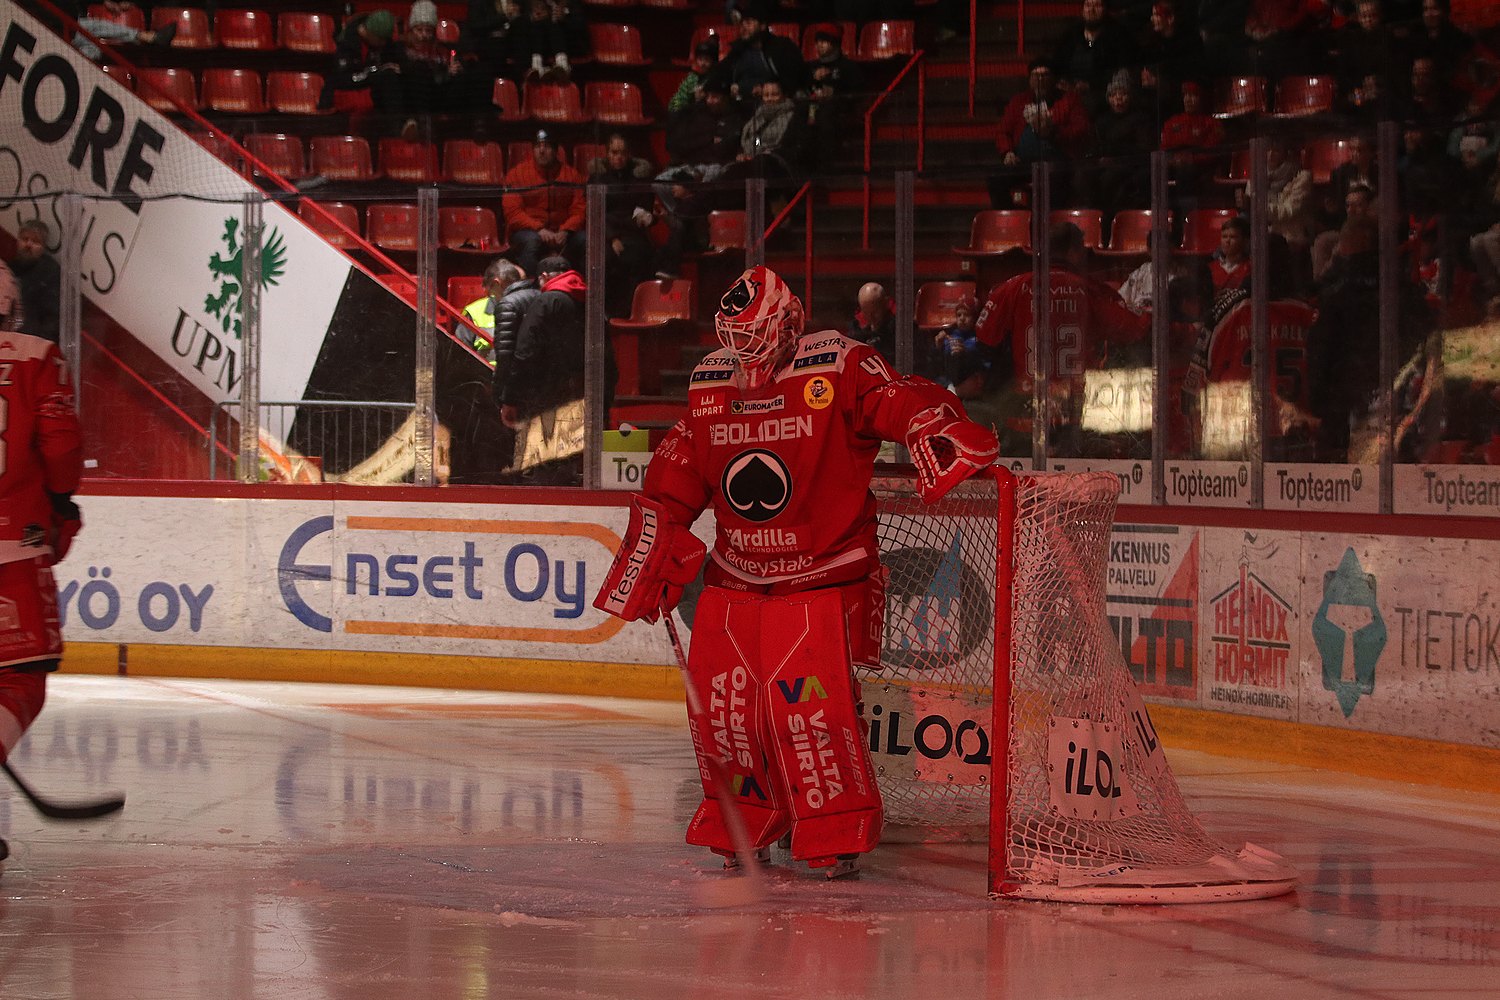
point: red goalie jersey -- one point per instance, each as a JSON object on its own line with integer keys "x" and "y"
{"x": 787, "y": 466}
{"x": 42, "y": 444}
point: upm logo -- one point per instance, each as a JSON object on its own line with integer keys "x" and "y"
{"x": 801, "y": 689}
{"x": 408, "y": 576}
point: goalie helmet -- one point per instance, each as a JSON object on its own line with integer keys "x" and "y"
{"x": 758, "y": 319}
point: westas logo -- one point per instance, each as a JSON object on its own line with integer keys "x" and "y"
{"x": 229, "y": 272}
{"x": 801, "y": 689}
{"x": 1349, "y": 632}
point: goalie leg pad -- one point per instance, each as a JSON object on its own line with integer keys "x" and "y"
{"x": 724, "y": 669}
{"x": 818, "y": 740}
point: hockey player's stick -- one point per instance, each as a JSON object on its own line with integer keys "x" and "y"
{"x": 52, "y": 810}
{"x": 728, "y": 892}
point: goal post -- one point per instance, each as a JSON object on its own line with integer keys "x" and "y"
{"x": 1002, "y": 709}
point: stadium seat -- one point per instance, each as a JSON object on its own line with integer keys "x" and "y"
{"x": 886, "y": 40}
{"x": 1324, "y": 156}
{"x": 1301, "y": 96}
{"x": 411, "y": 162}
{"x": 1090, "y": 222}
{"x": 341, "y": 157}
{"x": 584, "y": 153}
{"x": 245, "y": 29}
{"x": 306, "y": 31}
{"x": 609, "y": 3}
{"x": 468, "y": 162}
{"x": 726, "y": 230}
{"x": 119, "y": 74}
{"x": 718, "y": 32}
{"x": 219, "y": 145}
{"x": 652, "y": 336}
{"x": 1240, "y": 96}
{"x": 470, "y": 229}
{"x": 392, "y": 226}
{"x": 1130, "y": 233}
{"x": 465, "y": 288}
{"x": 130, "y": 16}
{"x": 348, "y": 215}
{"x": 848, "y": 32}
{"x": 507, "y": 97}
{"x": 237, "y": 91}
{"x": 935, "y": 302}
{"x": 193, "y": 29}
{"x": 617, "y": 45}
{"x": 1237, "y": 174}
{"x": 995, "y": 231}
{"x": 1200, "y": 230}
{"x": 668, "y": 4}
{"x": 293, "y": 93}
{"x": 168, "y": 89}
{"x": 448, "y": 32}
{"x": 616, "y": 103}
{"x": 555, "y": 104}
{"x": 281, "y": 154}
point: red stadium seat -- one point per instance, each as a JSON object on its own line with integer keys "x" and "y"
{"x": 995, "y": 231}
{"x": 1090, "y": 222}
{"x": 555, "y": 104}
{"x": 392, "y": 226}
{"x": 936, "y": 299}
{"x": 616, "y": 103}
{"x": 341, "y": 157}
{"x": 668, "y": 4}
{"x": 886, "y": 40}
{"x": 412, "y": 162}
{"x": 652, "y": 336}
{"x": 238, "y": 91}
{"x": 306, "y": 31}
{"x": 468, "y": 162}
{"x": 1324, "y": 156}
{"x": 718, "y": 32}
{"x": 1130, "y": 233}
{"x": 1200, "y": 230}
{"x": 193, "y": 29}
{"x": 469, "y": 228}
{"x": 245, "y": 29}
{"x": 848, "y": 35}
{"x": 348, "y": 215}
{"x": 609, "y": 3}
{"x": 219, "y": 145}
{"x": 119, "y": 74}
{"x": 584, "y": 153}
{"x": 1241, "y": 96}
{"x": 617, "y": 45}
{"x": 281, "y": 154}
{"x": 726, "y": 230}
{"x": 465, "y": 288}
{"x": 507, "y": 97}
{"x": 131, "y": 16}
{"x": 1301, "y": 96}
{"x": 292, "y": 93}
{"x": 169, "y": 89}
{"x": 1237, "y": 174}
{"x": 448, "y": 32}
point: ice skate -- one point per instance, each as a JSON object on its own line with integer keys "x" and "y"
{"x": 762, "y": 857}
{"x": 843, "y": 866}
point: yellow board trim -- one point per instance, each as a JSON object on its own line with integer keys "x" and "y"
{"x": 1373, "y": 755}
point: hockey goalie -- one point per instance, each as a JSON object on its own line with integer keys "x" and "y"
{"x": 781, "y": 436}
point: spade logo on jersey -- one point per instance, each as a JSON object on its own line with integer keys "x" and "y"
{"x": 739, "y": 297}
{"x": 757, "y": 485}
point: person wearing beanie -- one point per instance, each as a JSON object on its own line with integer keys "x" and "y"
{"x": 423, "y": 14}
{"x": 690, "y": 90}
{"x": 368, "y": 70}
{"x": 836, "y": 79}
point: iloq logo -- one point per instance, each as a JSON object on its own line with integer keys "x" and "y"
{"x": 446, "y": 577}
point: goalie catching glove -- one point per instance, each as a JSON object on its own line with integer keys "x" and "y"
{"x": 657, "y": 559}
{"x": 947, "y": 449}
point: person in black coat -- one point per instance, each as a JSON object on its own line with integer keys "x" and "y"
{"x": 40, "y": 280}
{"x": 759, "y": 56}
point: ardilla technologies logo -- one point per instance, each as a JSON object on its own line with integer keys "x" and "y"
{"x": 1349, "y": 632}
{"x": 229, "y": 272}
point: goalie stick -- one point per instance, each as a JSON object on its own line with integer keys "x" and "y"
{"x": 91, "y": 810}
{"x": 739, "y": 891}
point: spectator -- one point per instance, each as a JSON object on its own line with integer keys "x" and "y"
{"x": 481, "y": 312}
{"x": 874, "y": 321}
{"x": 1290, "y": 208}
{"x": 836, "y": 79}
{"x": 433, "y": 77}
{"x": 1043, "y": 122}
{"x": 702, "y": 139}
{"x": 1170, "y": 55}
{"x": 627, "y": 217}
{"x": 1368, "y": 53}
{"x": 1192, "y": 138}
{"x": 758, "y": 56}
{"x": 495, "y": 34}
{"x": 556, "y": 29}
{"x": 40, "y": 279}
{"x": 1359, "y": 202}
{"x": 1092, "y": 50}
{"x": 1229, "y": 266}
{"x": 544, "y": 207}
{"x": 112, "y": 31}
{"x": 1428, "y": 99}
{"x": 368, "y": 73}
{"x": 12, "y": 311}
{"x": 1484, "y": 246}
{"x": 774, "y": 142}
{"x": 1118, "y": 173}
{"x": 961, "y": 361}
{"x": 542, "y": 396}
{"x": 1283, "y": 37}
{"x": 690, "y": 90}
{"x": 1439, "y": 38}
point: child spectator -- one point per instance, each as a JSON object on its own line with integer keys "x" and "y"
{"x": 690, "y": 90}
{"x": 962, "y": 361}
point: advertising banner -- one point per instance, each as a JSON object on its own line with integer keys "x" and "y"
{"x": 1251, "y": 582}
{"x": 1151, "y": 595}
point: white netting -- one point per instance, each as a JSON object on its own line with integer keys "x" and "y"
{"x": 1094, "y": 810}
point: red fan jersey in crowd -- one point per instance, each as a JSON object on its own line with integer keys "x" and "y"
{"x": 787, "y": 465}
{"x": 41, "y": 445}
{"x": 1085, "y": 315}
{"x": 1230, "y": 357}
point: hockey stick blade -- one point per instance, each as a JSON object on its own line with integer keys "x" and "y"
{"x": 89, "y": 810}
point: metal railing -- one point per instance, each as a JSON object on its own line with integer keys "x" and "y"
{"x": 354, "y": 430}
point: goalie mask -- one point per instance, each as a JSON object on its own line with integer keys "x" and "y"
{"x": 758, "y": 319}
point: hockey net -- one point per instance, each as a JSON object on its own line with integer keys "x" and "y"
{"x": 1028, "y": 697}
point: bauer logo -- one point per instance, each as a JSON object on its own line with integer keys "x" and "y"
{"x": 938, "y": 609}
{"x": 801, "y": 689}
{"x": 1349, "y": 632}
{"x": 1086, "y": 770}
{"x": 447, "y": 578}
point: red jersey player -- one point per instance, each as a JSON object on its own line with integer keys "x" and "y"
{"x": 780, "y": 440}
{"x": 40, "y": 463}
